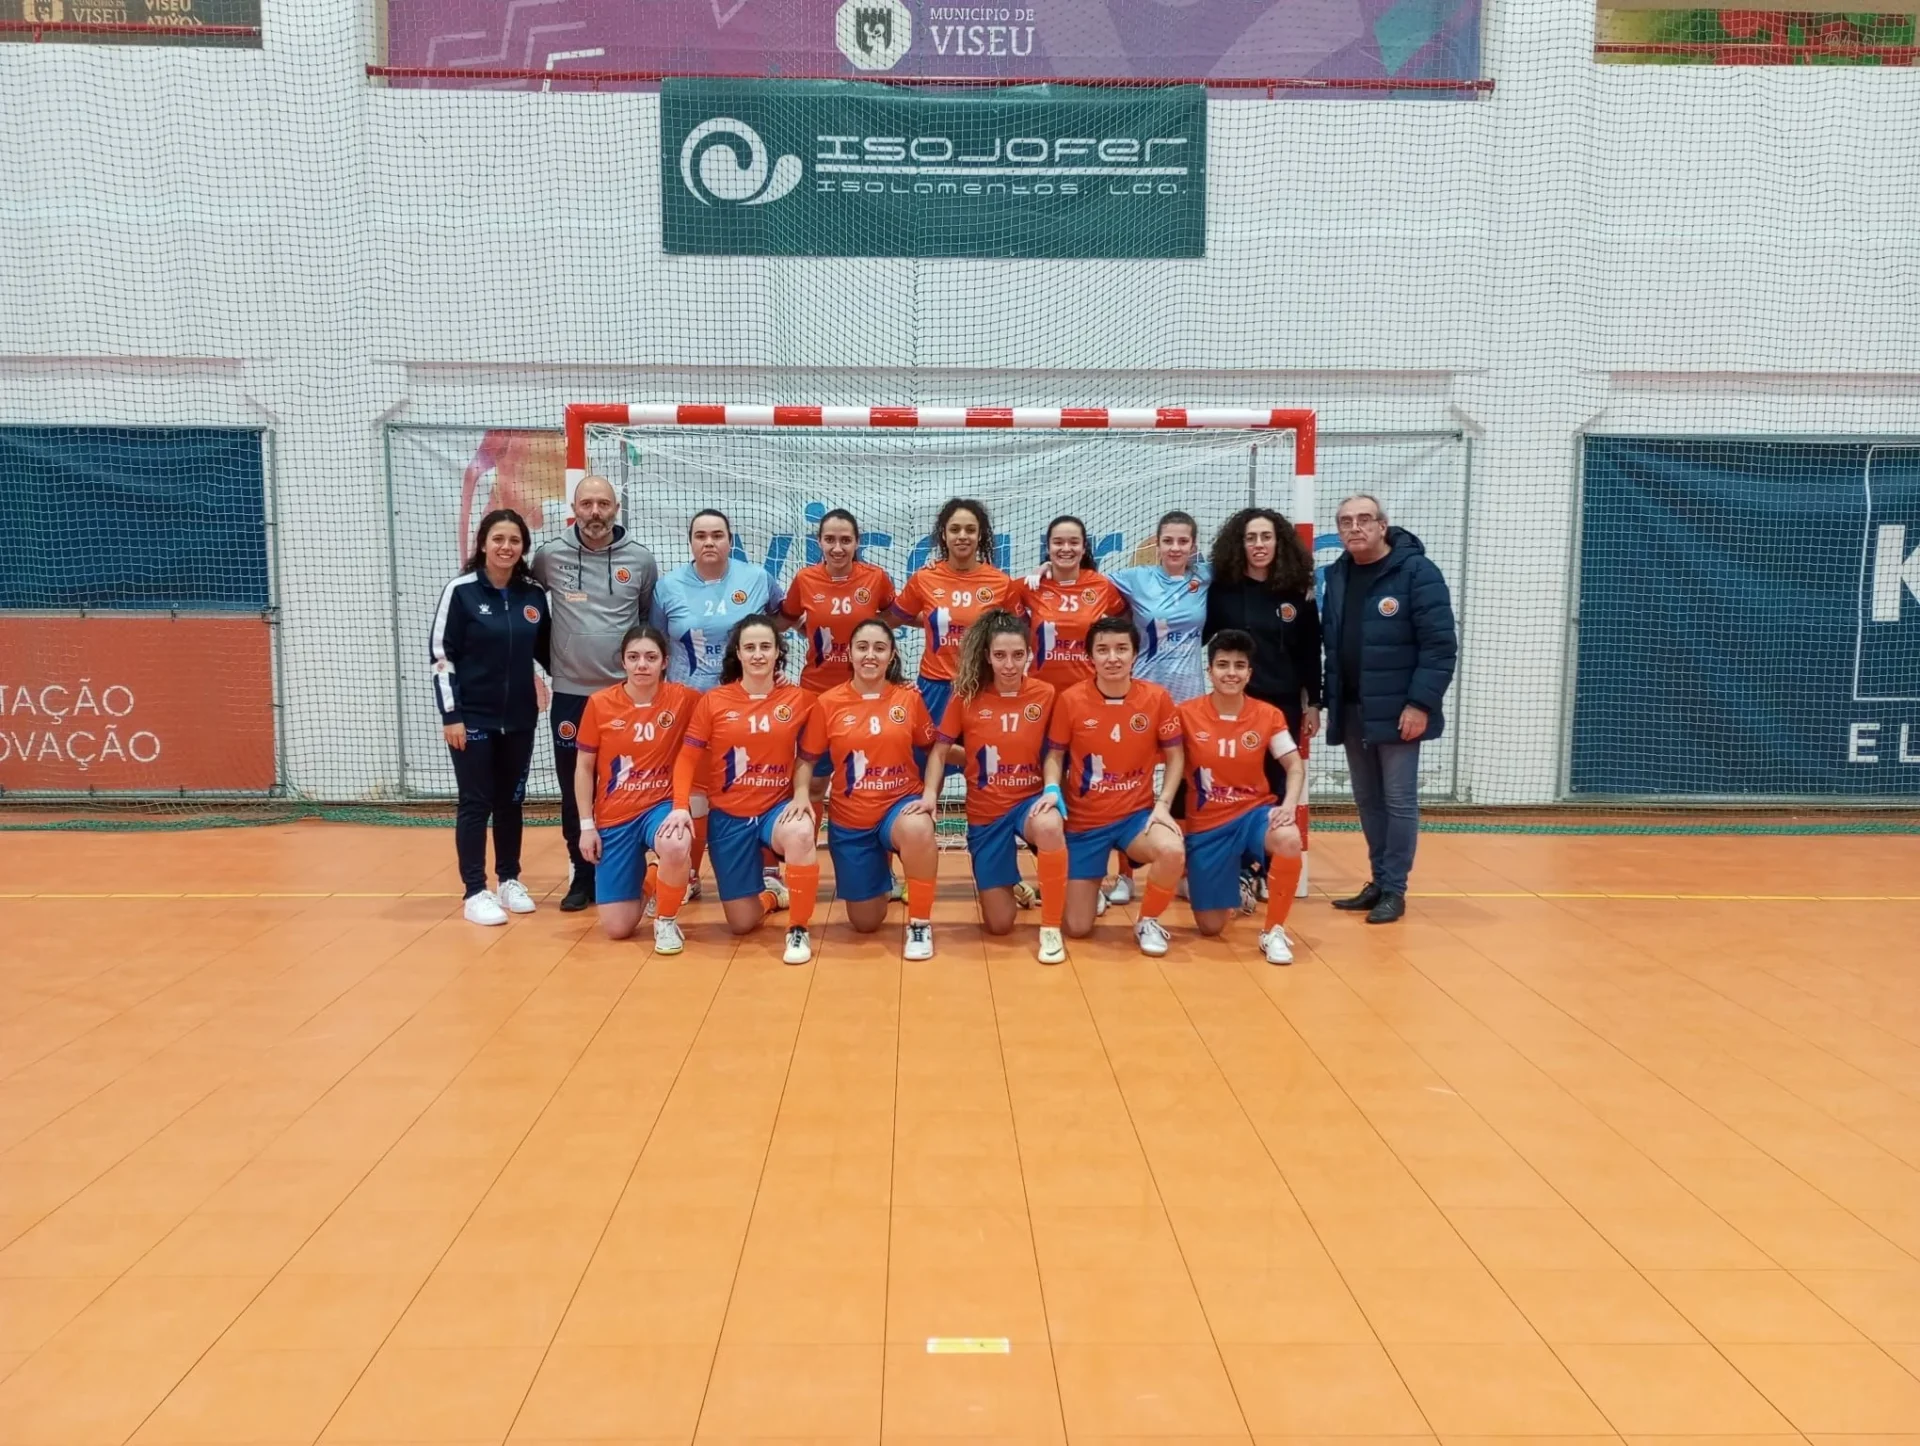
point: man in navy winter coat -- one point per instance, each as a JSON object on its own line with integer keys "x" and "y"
{"x": 1391, "y": 645}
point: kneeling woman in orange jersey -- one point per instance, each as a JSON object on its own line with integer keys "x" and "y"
{"x": 627, "y": 740}
{"x": 998, "y": 717}
{"x": 750, "y": 728}
{"x": 1232, "y": 820}
{"x": 1104, "y": 740}
{"x": 871, "y": 732}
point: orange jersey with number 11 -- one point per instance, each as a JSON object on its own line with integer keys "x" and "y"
{"x": 1227, "y": 759}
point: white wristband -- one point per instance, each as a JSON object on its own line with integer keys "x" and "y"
{"x": 586, "y": 826}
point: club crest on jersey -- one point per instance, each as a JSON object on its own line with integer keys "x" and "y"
{"x": 567, "y": 732}
{"x": 985, "y": 595}
{"x": 1250, "y": 739}
{"x": 1389, "y": 606}
{"x": 782, "y": 713}
{"x": 530, "y": 613}
{"x": 1288, "y": 612}
{"x": 862, "y": 596}
{"x": 1031, "y": 712}
{"x": 1138, "y": 723}
{"x": 665, "y": 718}
{"x": 739, "y": 596}
{"x": 1193, "y": 584}
{"x": 897, "y": 713}
{"x": 623, "y": 574}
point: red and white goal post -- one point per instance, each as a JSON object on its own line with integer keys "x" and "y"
{"x": 1301, "y": 423}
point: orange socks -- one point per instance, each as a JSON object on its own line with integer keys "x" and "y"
{"x": 920, "y": 899}
{"x": 1052, "y": 867}
{"x": 803, "y": 888}
{"x": 1283, "y": 877}
{"x": 667, "y": 903}
{"x": 1156, "y": 901}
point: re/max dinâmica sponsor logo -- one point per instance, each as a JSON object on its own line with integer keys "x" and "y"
{"x": 1001, "y": 166}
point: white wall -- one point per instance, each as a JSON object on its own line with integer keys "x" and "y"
{"x": 237, "y": 237}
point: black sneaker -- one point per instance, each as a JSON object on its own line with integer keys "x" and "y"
{"x": 1365, "y": 899}
{"x": 1388, "y": 910}
{"x": 579, "y": 894}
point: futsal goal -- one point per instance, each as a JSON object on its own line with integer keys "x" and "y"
{"x": 776, "y": 470}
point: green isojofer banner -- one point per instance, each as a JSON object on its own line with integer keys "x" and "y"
{"x": 844, "y": 168}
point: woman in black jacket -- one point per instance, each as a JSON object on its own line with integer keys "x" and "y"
{"x": 491, "y": 627}
{"x": 1263, "y": 585}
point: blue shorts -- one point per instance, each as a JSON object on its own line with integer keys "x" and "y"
{"x": 935, "y": 692}
{"x": 1215, "y": 858}
{"x": 1087, "y": 851}
{"x": 734, "y": 845}
{"x": 996, "y": 862}
{"x": 623, "y": 855}
{"x": 861, "y": 867}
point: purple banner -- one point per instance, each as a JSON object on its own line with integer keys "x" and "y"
{"x": 535, "y": 43}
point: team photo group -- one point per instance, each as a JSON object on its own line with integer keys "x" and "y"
{"x": 1139, "y": 730}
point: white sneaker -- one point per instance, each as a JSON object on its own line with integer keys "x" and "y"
{"x": 514, "y": 898}
{"x": 1053, "y": 948}
{"x": 693, "y": 887}
{"x": 1279, "y": 949}
{"x": 483, "y": 908}
{"x": 799, "y": 946}
{"x": 1249, "y": 894}
{"x": 1153, "y": 939}
{"x": 1026, "y": 895}
{"x": 1099, "y": 903}
{"x": 667, "y": 938}
{"x": 919, "y": 941}
{"x": 1121, "y": 892}
{"x": 652, "y": 909}
{"x": 771, "y": 881}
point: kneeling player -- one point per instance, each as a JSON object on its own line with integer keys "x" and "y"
{"x": 1232, "y": 819}
{"x": 870, "y": 731}
{"x": 750, "y": 728}
{"x": 1104, "y": 739}
{"x": 623, "y": 781}
{"x": 998, "y": 716}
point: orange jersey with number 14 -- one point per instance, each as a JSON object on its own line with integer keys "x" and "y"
{"x": 751, "y": 745}
{"x": 1112, "y": 745}
{"x": 1004, "y": 739}
{"x": 1227, "y": 759}
{"x": 871, "y": 742}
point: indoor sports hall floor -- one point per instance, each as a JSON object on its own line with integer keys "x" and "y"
{"x": 1615, "y": 1138}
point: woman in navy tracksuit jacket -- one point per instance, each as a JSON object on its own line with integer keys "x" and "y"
{"x": 491, "y": 627}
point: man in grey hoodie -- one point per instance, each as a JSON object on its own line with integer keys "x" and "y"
{"x": 599, "y": 583}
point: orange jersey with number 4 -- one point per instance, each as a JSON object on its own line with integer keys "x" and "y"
{"x": 871, "y": 742}
{"x": 1112, "y": 745}
{"x": 827, "y": 610}
{"x": 751, "y": 744}
{"x": 1005, "y": 739}
{"x": 950, "y": 602}
{"x": 1227, "y": 759}
{"x": 1061, "y": 616}
{"x": 633, "y": 747}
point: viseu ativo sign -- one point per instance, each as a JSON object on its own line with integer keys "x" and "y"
{"x": 847, "y": 168}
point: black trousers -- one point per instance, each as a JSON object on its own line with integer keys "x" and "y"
{"x": 492, "y": 773}
{"x": 564, "y": 719}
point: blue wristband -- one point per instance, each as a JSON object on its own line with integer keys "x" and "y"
{"x": 1052, "y": 791}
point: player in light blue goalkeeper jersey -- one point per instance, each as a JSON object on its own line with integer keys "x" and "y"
{"x": 1169, "y": 600}
{"x": 697, "y": 605}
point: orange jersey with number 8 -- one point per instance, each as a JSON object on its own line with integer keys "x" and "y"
{"x": 751, "y": 744}
{"x": 871, "y": 742}
{"x": 1112, "y": 745}
{"x": 1005, "y": 740}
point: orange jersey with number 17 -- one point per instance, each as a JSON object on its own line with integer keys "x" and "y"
{"x": 871, "y": 742}
{"x": 1112, "y": 745}
{"x": 1004, "y": 739}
